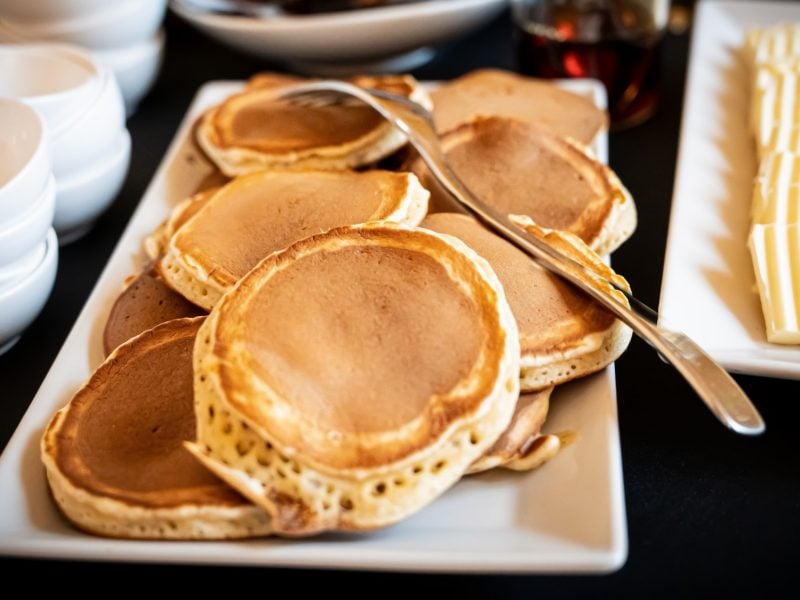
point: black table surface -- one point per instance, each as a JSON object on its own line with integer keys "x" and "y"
{"x": 708, "y": 511}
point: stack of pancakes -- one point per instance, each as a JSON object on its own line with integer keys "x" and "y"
{"x": 316, "y": 348}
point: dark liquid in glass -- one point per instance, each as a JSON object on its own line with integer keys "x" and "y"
{"x": 616, "y": 42}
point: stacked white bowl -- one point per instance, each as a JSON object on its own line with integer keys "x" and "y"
{"x": 123, "y": 35}
{"x": 28, "y": 245}
{"x": 82, "y": 107}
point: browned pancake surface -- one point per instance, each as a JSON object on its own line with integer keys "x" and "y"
{"x": 552, "y": 314}
{"x": 122, "y": 435}
{"x": 489, "y": 92}
{"x": 145, "y": 303}
{"x": 258, "y": 214}
{"x": 521, "y": 169}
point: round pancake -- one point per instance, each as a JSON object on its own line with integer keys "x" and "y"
{"x": 349, "y": 380}
{"x": 115, "y": 458}
{"x": 144, "y": 303}
{"x": 526, "y": 424}
{"x": 564, "y": 334}
{"x": 261, "y": 213}
{"x": 494, "y": 93}
{"x": 252, "y": 130}
{"x": 156, "y": 244}
{"x": 525, "y": 170}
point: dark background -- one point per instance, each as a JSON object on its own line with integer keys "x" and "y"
{"x": 709, "y": 512}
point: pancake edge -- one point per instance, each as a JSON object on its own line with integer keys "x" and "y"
{"x": 203, "y": 284}
{"x": 109, "y": 517}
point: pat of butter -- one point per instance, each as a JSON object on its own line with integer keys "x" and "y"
{"x": 774, "y": 43}
{"x": 776, "y": 107}
{"x": 775, "y": 250}
{"x": 776, "y": 193}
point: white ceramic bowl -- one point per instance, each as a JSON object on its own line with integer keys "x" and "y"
{"x": 346, "y": 37}
{"x": 24, "y": 158}
{"x": 57, "y": 80}
{"x": 119, "y": 24}
{"x": 81, "y": 198}
{"x": 23, "y": 266}
{"x": 20, "y": 236}
{"x": 88, "y": 138}
{"x": 34, "y": 11}
{"x": 22, "y": 302}
{"x": 135, "y": 67}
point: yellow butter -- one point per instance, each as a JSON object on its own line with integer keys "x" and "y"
{"x": 775, "y": 115}
{"x": 774, "y": 43}
{"x": 775, "y": 250}
{"x": 776, "y": 192}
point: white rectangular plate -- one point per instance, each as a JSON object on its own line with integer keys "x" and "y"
{"x": 567, "y": 516}
{"x": 708, "y": 288}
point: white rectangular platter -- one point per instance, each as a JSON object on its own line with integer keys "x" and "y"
{"x": 568, "y": 516}
{"x": 708, "y": 288}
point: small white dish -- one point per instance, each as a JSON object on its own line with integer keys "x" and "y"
{"x": 82, "y": 197}
{"x": 22, "y": 302}
{"x": 88, "y": 138}
{"x": 20, "y": 236}
{"x": 20, "y": 268}
{"x": 708, "y": 287}
{"x": 24, "y": 158}
{"x": 135, "y": 67}
{"x": 354, "y": 36}
{"x": 57, "y": 80}
{"x": 119, "y": 24}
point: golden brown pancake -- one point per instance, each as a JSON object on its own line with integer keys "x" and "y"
{"x": 261, "y": 213}
{"x": 490, "y": 93}
{"x": 155, "y": 244}
{"x": 146, "y": 302}
{"x": 115, "y": 458}
{"x": 252, "y": 130}
{"x": 526, "y": 424}
{"x": 521, "y": 169}
{"x": 350, "y": 379}
{"x": 563, "y": 333}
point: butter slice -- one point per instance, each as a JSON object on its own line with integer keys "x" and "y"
{"x": 776, "y": 107}
{"x": 776, "y": 193}
{"x": 775, "y": 250}
{"x": 773, "y": 43}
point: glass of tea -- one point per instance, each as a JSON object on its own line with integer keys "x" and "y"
{"x": 615, "y": 41}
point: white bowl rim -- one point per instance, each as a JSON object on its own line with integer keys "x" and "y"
{"x": 97, "y": 170}
{"x": 50, "y": 253}
{"x": 132, "y": 52}
{"x": 41, "y": 147}
{"x": 105, "y": 76}
{"x": 68, "y": 51}
{"x": 24, "y": 220}
{"x": 299, "y": 22}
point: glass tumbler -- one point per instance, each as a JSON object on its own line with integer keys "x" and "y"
{"x": 615, "y": 41}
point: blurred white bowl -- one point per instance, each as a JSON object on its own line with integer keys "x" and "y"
{"x": 24, "y": 158}
{"x": 81, "y": 198}
{"x": 135, "y": 67}
{"x": 346, "y": 37}
{"x": 54, "y": 10}
{"x": 55, "y": 79}
{"x": 21, "y": 235}
{"x": 22, "y": 302}
{"x": 118, "y": 24}
{"x": 23, "y": 266}
{"x": 88, "y": 138}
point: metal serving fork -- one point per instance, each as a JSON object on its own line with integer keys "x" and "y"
{"x": 716, "y": 388}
